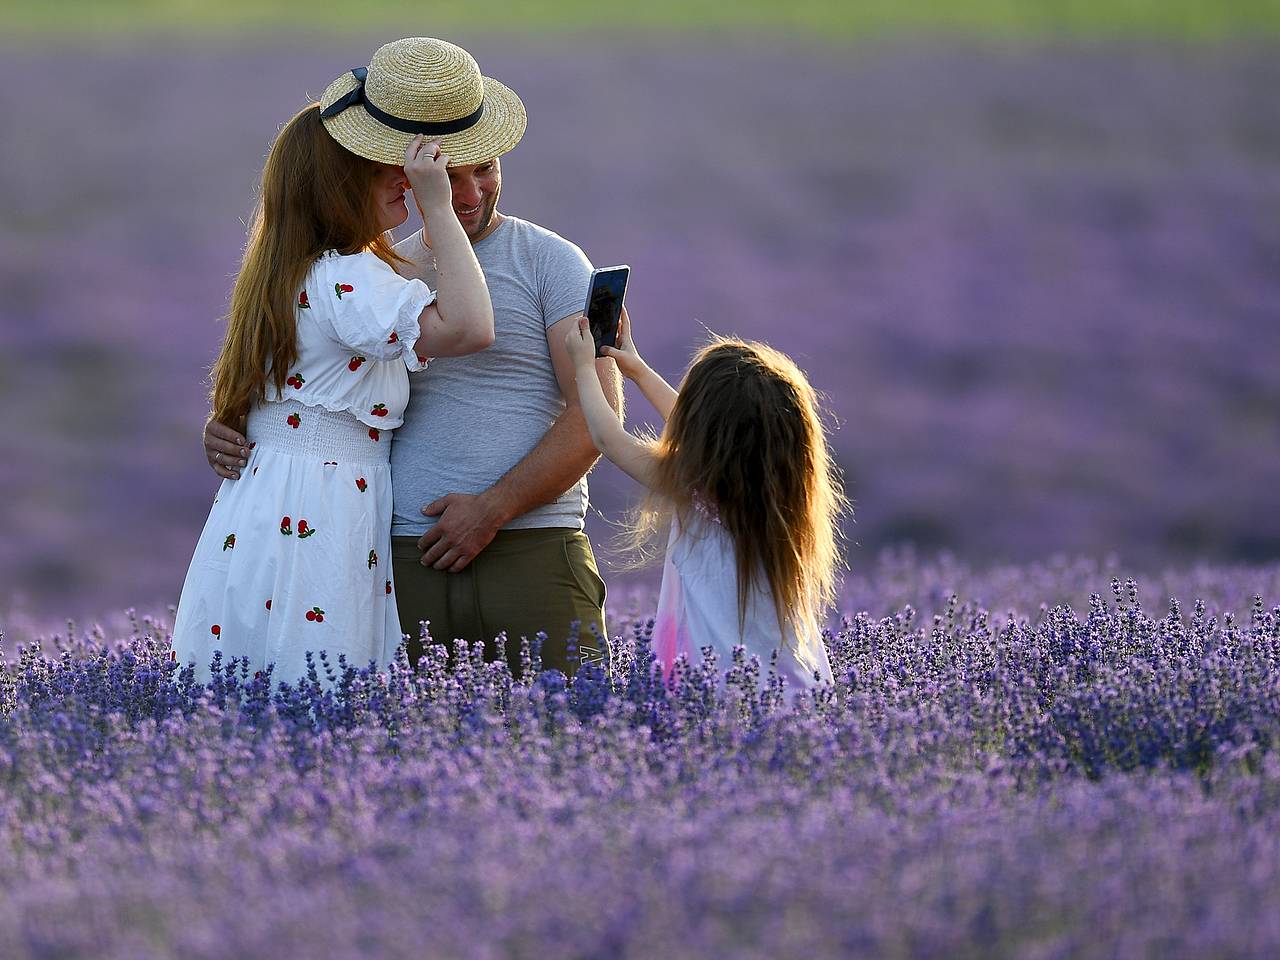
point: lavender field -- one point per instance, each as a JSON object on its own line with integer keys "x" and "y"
{"x": 1092, "y": 781}
{"x": 1039, "y": 283}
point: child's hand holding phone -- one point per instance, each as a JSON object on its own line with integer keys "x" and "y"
{"x": 625, "y": 354}
{"x": 580, "y": 344}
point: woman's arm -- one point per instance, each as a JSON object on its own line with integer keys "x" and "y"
{"x": 656, "y": 390}
{"x": 632, "y": 456}
{"x": 461, "y": 319}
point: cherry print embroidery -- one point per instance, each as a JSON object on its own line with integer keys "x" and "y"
{"x": 341, "y": 288}
{"x": 388, "y": 588}
{"x": 216, "y": 630}
{"x": 373, "y": 434}
{"x": 294, "y": 420}
{"x": 268, "y": 604}
{"x": 316, "y": 615}
{"x": 229, "y": 543}
{"x": 379, "y": 410}
{"x": 362, "y": 485}
{"x": 354, "y": 365}
{"x": 422, "y": 360}
{"x": 302, "y": 301}
{"x": 373, "y": 559}
{"x": 304, "y": 531}
{"x": 393, "y": 338}
{"x": 286, "y": 527}
{"x": 296, "y": 381}
{"x": 331, "y": 463}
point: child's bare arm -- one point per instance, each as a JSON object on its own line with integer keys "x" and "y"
{"x": 632, "y": 456}
{"x": 656, "y": 390}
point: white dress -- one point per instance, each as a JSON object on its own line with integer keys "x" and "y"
{"x": 698, "y": 607}
{"x": 296, "y": 554}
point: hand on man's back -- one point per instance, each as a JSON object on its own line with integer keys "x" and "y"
{"x": 225, "y": 449}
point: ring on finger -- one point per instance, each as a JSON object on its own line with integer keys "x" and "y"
{"x": 217, "y": 457}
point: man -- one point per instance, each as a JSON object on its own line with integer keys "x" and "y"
{"x": 489, "y": 468}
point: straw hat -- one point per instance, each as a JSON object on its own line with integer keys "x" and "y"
{"x": 422, "y": 85}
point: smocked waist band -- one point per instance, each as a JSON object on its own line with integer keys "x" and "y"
{"x": 298, "y": 428}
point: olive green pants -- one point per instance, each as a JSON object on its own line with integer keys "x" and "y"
{"x": 523, "y": 582}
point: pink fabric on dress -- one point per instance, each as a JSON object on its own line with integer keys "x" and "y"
{"x": 670, "y": 629}
{"x": 698, "y": 607}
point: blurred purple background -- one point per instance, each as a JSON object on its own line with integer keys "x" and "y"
{"x": 1040, "y": 285}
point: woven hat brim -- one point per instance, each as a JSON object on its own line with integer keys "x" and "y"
{"x": 497, "y": 131}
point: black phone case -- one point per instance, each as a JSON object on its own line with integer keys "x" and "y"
{"x": 604, "y": 313}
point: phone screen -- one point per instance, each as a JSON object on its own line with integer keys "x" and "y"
{"x": 604, "y": 304}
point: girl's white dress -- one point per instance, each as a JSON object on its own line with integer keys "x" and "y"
{"x": 698, "y": 607}
{"x": 296, "y": 554}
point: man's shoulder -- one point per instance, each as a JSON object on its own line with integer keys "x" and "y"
{"x": 557, "y": 267}
{"x": 529, "y": 230}
{"x": 411, "y": 245}
{"x": 543, "y": 241}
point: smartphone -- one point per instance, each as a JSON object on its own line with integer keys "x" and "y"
{"x": 604, "y": 303}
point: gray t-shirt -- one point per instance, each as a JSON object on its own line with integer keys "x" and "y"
{"x": 471, "y": 419}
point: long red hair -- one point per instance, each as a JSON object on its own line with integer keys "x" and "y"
{"x": 315, "y": 196}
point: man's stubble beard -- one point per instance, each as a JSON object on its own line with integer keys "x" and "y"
{"x": 490, "y": 209}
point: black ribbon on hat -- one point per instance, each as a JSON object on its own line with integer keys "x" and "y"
{"x": 356, "y": 97}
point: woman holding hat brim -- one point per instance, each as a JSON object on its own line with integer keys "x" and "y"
{"x": 487, "y": 538}
{"x": 421, "y": 85}
{"x": 322, "y": 332}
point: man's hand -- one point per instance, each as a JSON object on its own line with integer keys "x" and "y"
{"x": 467, "y": 524}
{"x": 225, "y": 449}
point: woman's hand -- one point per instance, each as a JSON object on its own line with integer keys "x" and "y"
{"x": 225, "y": 449}
{"x": 581, "y": 344}
{"x": 628, "y": 358}
{"x": 427, "y": 169}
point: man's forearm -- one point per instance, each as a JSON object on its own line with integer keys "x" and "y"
{"x": 561, "y": 458}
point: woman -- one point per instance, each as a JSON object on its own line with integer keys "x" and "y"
{"x": 295, "y": 556}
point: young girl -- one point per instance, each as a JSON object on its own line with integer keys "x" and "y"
{"x": 741, "y": 469}
{"x": 296, "y": 554}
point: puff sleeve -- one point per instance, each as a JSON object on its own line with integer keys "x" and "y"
{"x": 370, "y": 308}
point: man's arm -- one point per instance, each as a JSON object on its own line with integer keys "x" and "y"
{"x": 468, "y": 522}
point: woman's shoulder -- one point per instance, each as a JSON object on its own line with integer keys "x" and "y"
{"x": 332, "y": 260}
{"x": 337, "y": 275}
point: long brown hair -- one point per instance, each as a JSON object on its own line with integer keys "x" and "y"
{"x": 315, "y": 196}
{"x": 745, "y": 442}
